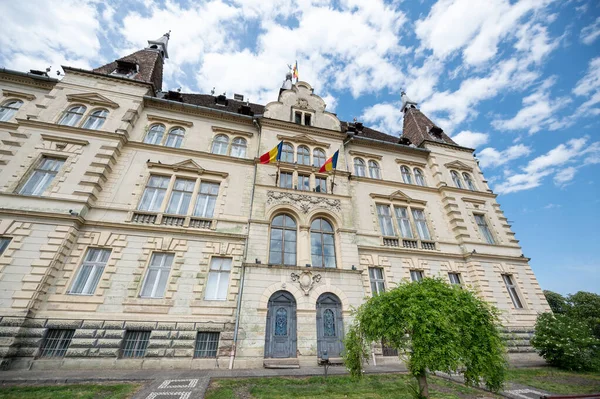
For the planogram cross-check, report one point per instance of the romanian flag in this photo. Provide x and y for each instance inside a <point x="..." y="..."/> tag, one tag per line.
<point x="330" y="164"/>
<point x="295" y="73"/>
<point x="272" y="155"/>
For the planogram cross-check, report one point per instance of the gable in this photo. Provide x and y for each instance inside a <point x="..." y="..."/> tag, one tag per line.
<point x="397" y="196"/>
<point x="186" y="166"/>
<point x="458" y="165"/>
<point x="304" y="139"/>
<point x="92" y="99"/>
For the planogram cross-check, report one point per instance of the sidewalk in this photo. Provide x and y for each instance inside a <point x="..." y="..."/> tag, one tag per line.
<point x="192" y="384"/>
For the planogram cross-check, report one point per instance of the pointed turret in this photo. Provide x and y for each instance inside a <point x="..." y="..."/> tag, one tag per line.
<point x="419" y="128"/>
<point x="145" y="65"/>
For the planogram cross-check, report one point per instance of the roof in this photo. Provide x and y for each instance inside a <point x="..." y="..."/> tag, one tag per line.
<point x="150" y="67"/>
<point x="372" y="133"/>
<point x="216" y="102"/>
<point x="418" y="128"/>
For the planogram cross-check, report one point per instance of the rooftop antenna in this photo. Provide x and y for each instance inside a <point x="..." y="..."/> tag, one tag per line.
<point x="212" y="92"/>
<point x="179" y="90"/>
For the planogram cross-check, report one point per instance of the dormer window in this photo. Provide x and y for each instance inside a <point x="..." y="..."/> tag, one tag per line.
<point x="222" y="100"/>
<point x="303" y="118"/>
<point x="307" y="118"/>
<point x="436" y="132"/>
<point x="125" y="69"/>
<point x="298" y="118"/>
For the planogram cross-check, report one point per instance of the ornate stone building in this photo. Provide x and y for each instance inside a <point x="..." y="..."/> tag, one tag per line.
<point x="138" y="229"/>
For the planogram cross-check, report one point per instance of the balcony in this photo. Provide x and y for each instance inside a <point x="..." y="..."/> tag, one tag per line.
<point x="154" y="218"/>
<point x="409" y="243"/>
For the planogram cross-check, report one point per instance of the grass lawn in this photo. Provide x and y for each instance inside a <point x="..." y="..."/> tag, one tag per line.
<point x="557" y="381"/>
<point x="84" y="391"/>
<point x="336" y="387"/>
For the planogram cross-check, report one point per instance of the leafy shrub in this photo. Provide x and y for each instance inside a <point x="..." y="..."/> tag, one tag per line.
<point x="557" y="302"/>
<point x="585" y="306"/>
<point x="566" y="343"/>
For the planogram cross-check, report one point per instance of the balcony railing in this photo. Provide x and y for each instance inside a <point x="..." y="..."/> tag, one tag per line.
<point x="154" y="218"/>
<point x="409" y="243"/>
<point x="391" y="242"/>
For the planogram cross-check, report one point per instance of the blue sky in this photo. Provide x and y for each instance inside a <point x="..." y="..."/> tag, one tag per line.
<point x="517" y="80"/>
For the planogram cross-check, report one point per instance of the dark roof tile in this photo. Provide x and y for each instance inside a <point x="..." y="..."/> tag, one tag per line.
<point x="149" y="62"/>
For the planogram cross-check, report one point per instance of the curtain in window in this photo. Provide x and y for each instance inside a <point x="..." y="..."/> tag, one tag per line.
<point x="469" y="181"/>
<point x="96" y="119"/>
<point x="9" y="109"/>
<point x="218" y="279"/>
<point x="73" y="115"/>
<point x="220" y="144"/>
<point x="406" y="176"/>
<point x="154" y="193"/>
<point x="238" y="147"/>
<point x="155" y="134"/>
<point x="175" y="137"/>
<point x="42" y="176"/>
<point x="374" y="171"/>
<point x="421" y="224"/>
<point x="359" y="167"/>
<point x="456" y="179"/>
<point x="157" y="275"/>
<point x="207" y="198"/>
<point x="181" y="196"/>
<point x="385" y="220"/>
<point x="403" y="222"/>
<point x="419" y="178"/>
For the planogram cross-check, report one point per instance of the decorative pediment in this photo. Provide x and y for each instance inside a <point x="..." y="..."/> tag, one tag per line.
<point x="170" y="121"/>
<point x="63" y="140"/>
<point x="458" y="165"/>
<point x="304" y="139"/>
<point x="92" y="99"/>
<point x="302" y="104"/>
<point x="232" y="132"/>
<point x="397" y="196"/>
<point x="364" y="154"/>
<point x="17" y="94"/>
<point x="186" y="166"/>
<point x="411" y="163"/>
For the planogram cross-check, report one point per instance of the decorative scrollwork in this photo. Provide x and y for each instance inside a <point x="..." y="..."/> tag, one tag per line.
<point x="306" y="280"/>
<point x="303" y="201"/>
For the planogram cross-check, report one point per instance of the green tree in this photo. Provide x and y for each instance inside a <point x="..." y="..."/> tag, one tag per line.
<point x="585" y="306"/>
<point x="438" y="327"/>
<point x="557" y="302"/>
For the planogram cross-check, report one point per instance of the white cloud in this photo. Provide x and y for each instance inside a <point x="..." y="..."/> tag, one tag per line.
<point x="590" y="33"/>
<point x="564" y="176"/>
<point x="471" y="139"/>
<point x="539" y="111"/>
<point x="385" y="117"/>
<point x="491" y="157"/>
<point x="589" y="86"/>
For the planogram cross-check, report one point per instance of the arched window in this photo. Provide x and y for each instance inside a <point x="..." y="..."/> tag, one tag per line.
<point x="287" y="153"/>
<point x="238" y="147"/>
<point x="303" y="155"/>
<point x="96" y="119"/>
<point x="282" y="248"/>
<point x="155" y="134"/>
<point x="72" y="116"/>
<point x="175" y="137"/>
<point x="220" y="144"/>
<point x="359" y="167"/>
<point x="406" y="175"/>
<point x="469" y="182"/>
<point x="456" y="179"/>
<point x="374" y="171"/>
<point x="419" y="178"/>
<point x="9" y="109"/>
<point x="322" y="246"/>
<point x="318" y="157"/>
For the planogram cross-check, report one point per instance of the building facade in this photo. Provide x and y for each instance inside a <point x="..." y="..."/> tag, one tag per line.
<point x="138" y="228"/>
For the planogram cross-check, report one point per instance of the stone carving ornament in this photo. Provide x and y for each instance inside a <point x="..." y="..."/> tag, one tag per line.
<point x="302" y="103"/>
<point x="303" y="201"/>
<point x="306" y="280"/>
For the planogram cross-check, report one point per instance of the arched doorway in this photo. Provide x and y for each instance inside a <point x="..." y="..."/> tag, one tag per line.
<point x="280" y="337"/>
<point x="330" y="325"/>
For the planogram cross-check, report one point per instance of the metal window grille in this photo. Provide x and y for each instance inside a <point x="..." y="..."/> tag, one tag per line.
<point x="388" y="350"/>
<point x="207" y="344"/>
<point x="135" y="343"/>
<point x="56" y="343"/>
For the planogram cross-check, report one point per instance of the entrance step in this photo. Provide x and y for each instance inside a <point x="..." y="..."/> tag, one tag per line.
<point x="281" y="364"/>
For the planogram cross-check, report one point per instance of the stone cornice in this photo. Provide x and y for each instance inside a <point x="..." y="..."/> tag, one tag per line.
<point x="400" y="161"/>
<point x="9" y="125"/>
<point x="302" y="268"/>
<point x="169" y="121"/>
<point x="294" y="127"/>
<point x="187" y="166"/>
<point x="93" y="99"/>
<point x="101" y="76"/>
<point x="372" y="143"/>
<point x="322" y="195"/>
<point x="303" y="139"/>
<point x="393" y="183"/>
<point x="17" y="94"/>
<point x="37" y="215"/>
<point x="233" y="132"/>
<point x="465" y="191"/>
<point x="161" y="229"/>
<point x="365" y="154"/>
<point x="447" y="145"/>
<point x="397" y="196"/>
<point x="458" y="165"/>
<point x="185" y="151"/>
<point x="473" y="200"/>
<point x="75" y="130"/>
<point x="442" y="255"/>
<point x="62" y="139"/>
<point x="25" y="79"/>
<point x="157" y="103"/>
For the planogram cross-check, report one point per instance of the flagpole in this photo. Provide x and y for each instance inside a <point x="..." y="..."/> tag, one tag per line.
<point x="277" y="174"/>
<point x="333" y="181"/>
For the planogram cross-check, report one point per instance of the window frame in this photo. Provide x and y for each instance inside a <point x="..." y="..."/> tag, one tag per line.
<point x="283" y="228"/>
<point x="469" y="183"/>
<point x="218" y="272"/>
<point x="513" y="290"/>
<point x="56" y="351"/>
<point x="420" y="275"/>
<point x="390" y="216"/>
<point x="377" y="282"/>
<point x="5" y="106"/>
<point x="179" y="135"/>
<point x="209" y="196"/>
<point x="208" y="349"/>
<point x="321" y="234"/>
<point x="408" y="219"/>
<point x="220" y="143"/>
<point x="301" y="179"/>
<point x="287" y="174"/>
<point x="4" y="244"/>
<point x="153" y="130"/>
<point x="304" y="157"/>
<point x="425" y="223"/>
<point x="184" y="192"/>
<point x="37" y="168"/>
<point x="287" y="151"/>
<point x="94" y="275"/>
<point x="236" y="145"/>
<point x="484" y="228"/>
<point x="359" y="164"/>
<point x="421" y="174"/>
<point x="161" y="268"/>
<point x="458" y="183"/>
<point x="321" y="181"/>
<point x="140" y="340"/>
<point x="166" y="191"/>
<point x="458" y="278"/>
<point x="316" y="158"/>
<point x="374" y="166"/>
<point x="91" y="115"/>
<point x="68" y="111"/>
<point x="406" y="174"/>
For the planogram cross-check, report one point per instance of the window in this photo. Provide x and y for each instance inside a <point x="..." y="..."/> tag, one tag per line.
<point x="42" y="176"/>
<point x="220" y="144"/>
<point x="286" y="180"/>
<point x="157" y="275"/>
<point x="321" y="184"/>
<point x="512" y="291"/>
<point x="454" y="278"/>
<point x="56" y="342"/>
<point x="90" y="271"/>
<point x="175" y="137"/>
<point x="304" y="182"/>
<point x="374" y="171"/>
<point x="287" y="153"/>
<point x="456" y="179"/>
<point x="416" y="275"/>
<point x="377" y="281"/>
<point x="318" y="157"/>
<point x="135" y="343"/>
<point x="207" y="198"/>
<point x="406" y="175"/>
<point x="403" y="222"/>
<point x="96" y="119"/>
<point x="181" y="196"/>
<point x="421" y="224"/>
<point x="238" y="147"/>
<point x="303" y="155"/>
<point x="207" y="344"/>
<point x="155" y="134"/>
<point x="282" y="249"/>
<point x="307" y="118"/>
<point x="154" y="193"/>
<point x="4" y="241"/>
<point x="298" y="118"/>
<point x="469" y="182"/>
<point x="484" y="229"/>
<point x="218" y="279"/>
<point x="419" y="178"/>
<point x="322" y="246"/>
<point x="359" y="167"/>
<point x="385" y="220"/>
<point x="72" y="116"/>
<point x="9" y="109"/>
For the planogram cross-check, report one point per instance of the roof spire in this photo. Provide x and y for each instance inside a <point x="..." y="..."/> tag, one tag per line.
<point x="287" y="83"/>
<point x="407" y="102"/>
<point x="161" y="44"/>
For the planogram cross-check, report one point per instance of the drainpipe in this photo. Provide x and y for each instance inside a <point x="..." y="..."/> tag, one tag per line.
<point x="256" y="123"/>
